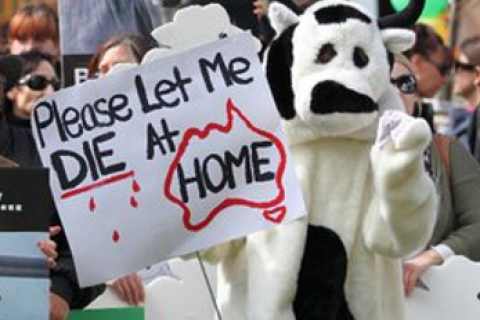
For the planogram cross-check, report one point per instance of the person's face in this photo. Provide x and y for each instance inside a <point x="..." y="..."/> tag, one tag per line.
<point x="399" y="75"/>
<point x="114" y="55"/>
<point x="47" y="45"/>
<point x="465" y="75"/>
<point x="432" y="72"/>
<point x="24" y="98"/>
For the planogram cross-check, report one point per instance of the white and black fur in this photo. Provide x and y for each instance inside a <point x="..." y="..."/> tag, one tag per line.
<point x="368" y="204"/>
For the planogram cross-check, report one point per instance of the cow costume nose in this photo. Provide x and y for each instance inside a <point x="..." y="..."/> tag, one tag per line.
<point x="330" y="97"/>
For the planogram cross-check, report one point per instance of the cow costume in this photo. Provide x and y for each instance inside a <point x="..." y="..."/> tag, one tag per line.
<point x="359" y="160"/>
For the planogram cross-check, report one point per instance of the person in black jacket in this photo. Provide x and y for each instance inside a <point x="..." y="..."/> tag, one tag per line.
<point x="17" y="143"/>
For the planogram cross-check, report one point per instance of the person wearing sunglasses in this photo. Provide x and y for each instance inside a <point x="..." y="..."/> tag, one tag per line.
<point x="466" y="82"/>
<point x="27" y="78"/>
<point x="466" y="86"/>
<point x="457" y="179"/>
<point x="37" y="79"/>
<point x="431" y="60"/>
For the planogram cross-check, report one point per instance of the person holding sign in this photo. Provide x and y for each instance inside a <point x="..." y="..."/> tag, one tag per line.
<point x="28" y="77"/>
<point x="126" y="49"/>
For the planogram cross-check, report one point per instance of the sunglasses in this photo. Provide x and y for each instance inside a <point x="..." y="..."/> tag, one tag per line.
<point x="406" y="83"/>
<point x="37" y="82"/>
<point x="443" y="69"/>
<point x="464" y="66"/>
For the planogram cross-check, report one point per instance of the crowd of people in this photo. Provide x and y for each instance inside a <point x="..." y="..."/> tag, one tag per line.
<point x="30" y="69"/>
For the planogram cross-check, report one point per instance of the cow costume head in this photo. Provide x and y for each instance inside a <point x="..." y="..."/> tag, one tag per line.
<point x="329" y="68"/>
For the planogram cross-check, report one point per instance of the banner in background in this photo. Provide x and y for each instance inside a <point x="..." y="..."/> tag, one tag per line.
<point x="87" y="24"/>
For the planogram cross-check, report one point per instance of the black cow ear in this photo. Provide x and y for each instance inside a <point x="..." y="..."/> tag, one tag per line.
<point x="278" y="70"/>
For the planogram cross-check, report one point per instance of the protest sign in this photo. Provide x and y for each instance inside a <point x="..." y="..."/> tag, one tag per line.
<point x="25" y="208"/>
<point x="166" y="158"/>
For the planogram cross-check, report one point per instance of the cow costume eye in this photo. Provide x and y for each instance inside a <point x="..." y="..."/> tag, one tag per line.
<point x="326" y="54"/>
<point x="360" y="58"/>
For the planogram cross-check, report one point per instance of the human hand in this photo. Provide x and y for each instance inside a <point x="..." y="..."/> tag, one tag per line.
<point x="130" y="289"/>
<point x="49" y="247"/>
<point x="260" y="8"/>
<point x="59" y="308"/>
<point x="414" y="268"/>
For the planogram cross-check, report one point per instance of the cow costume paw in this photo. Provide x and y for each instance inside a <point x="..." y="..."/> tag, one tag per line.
<point x="402" y="131"/>
<point x="402" y="186"/>
<point x="399" y="148"/>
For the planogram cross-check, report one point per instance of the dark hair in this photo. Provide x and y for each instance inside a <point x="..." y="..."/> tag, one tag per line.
<point x="38" y="21"/>
<point x="138" y="46"/>
<point x="30" y="61"/>
<point x="427" y="41"/>
<point x="471" y="48"/>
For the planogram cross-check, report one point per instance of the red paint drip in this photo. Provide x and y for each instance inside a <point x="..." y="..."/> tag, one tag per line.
<point x="115" y="236"/>
<point x="92" y="205"/>
<point x="135" y="186"/>
<point x="133" y="202"/>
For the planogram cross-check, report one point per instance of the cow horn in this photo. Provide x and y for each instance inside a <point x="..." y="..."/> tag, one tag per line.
<point x="404" y="19"/>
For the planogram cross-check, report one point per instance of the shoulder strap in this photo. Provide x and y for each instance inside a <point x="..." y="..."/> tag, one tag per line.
<point x="442" y="143"/>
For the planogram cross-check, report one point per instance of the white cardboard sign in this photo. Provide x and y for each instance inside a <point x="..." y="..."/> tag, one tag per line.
<point x="451" y="291"/>
<point x="166" y="158"/>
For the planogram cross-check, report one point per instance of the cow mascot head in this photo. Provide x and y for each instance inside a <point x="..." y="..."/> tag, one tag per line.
<point x="329" y="68"/>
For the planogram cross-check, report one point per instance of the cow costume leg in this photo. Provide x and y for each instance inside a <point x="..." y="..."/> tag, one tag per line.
<point x="320" y="293"/>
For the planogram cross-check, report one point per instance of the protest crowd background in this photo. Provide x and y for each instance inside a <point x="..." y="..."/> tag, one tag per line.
<point x="64" y="43"/>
